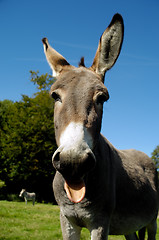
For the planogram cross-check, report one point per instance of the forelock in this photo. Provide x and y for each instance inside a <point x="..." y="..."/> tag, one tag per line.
<point x="81" y="63"/>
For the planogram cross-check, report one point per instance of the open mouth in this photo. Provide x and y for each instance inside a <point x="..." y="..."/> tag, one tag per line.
<point x="75" y="191"/>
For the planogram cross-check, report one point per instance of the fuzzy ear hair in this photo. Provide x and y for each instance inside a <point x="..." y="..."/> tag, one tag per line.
<point x="56" y="61"/>
<point x="109" y="46"/>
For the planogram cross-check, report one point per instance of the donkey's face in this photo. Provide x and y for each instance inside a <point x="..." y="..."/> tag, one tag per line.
<point x="79" y="95"/>
<point x="21" y="193"/>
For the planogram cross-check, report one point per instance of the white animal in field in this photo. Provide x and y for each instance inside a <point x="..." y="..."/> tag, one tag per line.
<point x="27" y="196"/>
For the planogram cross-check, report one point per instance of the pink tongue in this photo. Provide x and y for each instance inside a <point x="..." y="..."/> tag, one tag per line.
<point x="75" y="192"/>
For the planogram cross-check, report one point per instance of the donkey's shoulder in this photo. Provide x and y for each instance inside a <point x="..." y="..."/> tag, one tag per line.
<point x="135" y="157"/>
<point x="132" y="161"/>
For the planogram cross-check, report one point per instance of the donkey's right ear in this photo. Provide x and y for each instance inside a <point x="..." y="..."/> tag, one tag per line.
<point x="56" y="61"/>
<point x="109" y="46"/>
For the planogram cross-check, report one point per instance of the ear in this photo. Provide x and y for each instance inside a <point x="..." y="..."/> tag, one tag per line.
<point x="109" y="46"/>
<point x="56" y="61"/>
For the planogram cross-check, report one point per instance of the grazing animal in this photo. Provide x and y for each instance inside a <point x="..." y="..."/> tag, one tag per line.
<point x="98" y="187"/>
<point x="27" y="196"/>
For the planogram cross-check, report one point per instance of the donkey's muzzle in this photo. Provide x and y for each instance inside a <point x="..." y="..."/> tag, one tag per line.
<point x="73" y="165"/>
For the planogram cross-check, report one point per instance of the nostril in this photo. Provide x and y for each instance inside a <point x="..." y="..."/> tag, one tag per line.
<point x="56" y="159"/>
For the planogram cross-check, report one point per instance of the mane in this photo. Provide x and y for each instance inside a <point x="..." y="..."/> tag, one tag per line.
<point x="81" y="63"/>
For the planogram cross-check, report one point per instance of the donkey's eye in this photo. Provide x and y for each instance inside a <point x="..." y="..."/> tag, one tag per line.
<point x="56" y="97"/>
<point x="101" y="98"/>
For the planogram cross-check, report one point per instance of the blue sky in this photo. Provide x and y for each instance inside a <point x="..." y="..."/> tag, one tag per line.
<point x="131" y="116"/>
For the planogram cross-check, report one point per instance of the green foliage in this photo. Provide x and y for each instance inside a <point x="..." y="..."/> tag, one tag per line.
<point x="27" y="141"/>
<point x="155" y="156"/>
<point x="43" y="81"/>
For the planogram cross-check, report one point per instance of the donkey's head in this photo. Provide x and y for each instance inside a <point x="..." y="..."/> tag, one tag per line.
<point x="79" y="95"/>
<point x="22" y="193"/>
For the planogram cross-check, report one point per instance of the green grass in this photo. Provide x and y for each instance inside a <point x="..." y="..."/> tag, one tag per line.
<point x="21" y="222"/>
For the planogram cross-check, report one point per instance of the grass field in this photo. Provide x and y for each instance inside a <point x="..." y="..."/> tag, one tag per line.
<point x="21" y="222"/>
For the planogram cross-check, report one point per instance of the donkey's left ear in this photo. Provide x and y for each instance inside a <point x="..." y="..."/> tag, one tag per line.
<point x="109" y="46"/>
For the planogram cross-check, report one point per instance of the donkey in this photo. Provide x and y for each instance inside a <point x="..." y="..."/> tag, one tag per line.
<point x="98" y="187"/>
<point x="27" y="196"/>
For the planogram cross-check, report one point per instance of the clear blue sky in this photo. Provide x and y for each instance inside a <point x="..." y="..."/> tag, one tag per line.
<point x="131" y="117"/>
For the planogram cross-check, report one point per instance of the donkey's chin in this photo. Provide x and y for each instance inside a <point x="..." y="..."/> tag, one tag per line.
<point x="75" y="191"/>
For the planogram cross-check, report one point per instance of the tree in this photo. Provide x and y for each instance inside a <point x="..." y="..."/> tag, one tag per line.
<point x="43" y="81"/>
<point x="27" y="141"/>
<point x="155" y="156"/>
